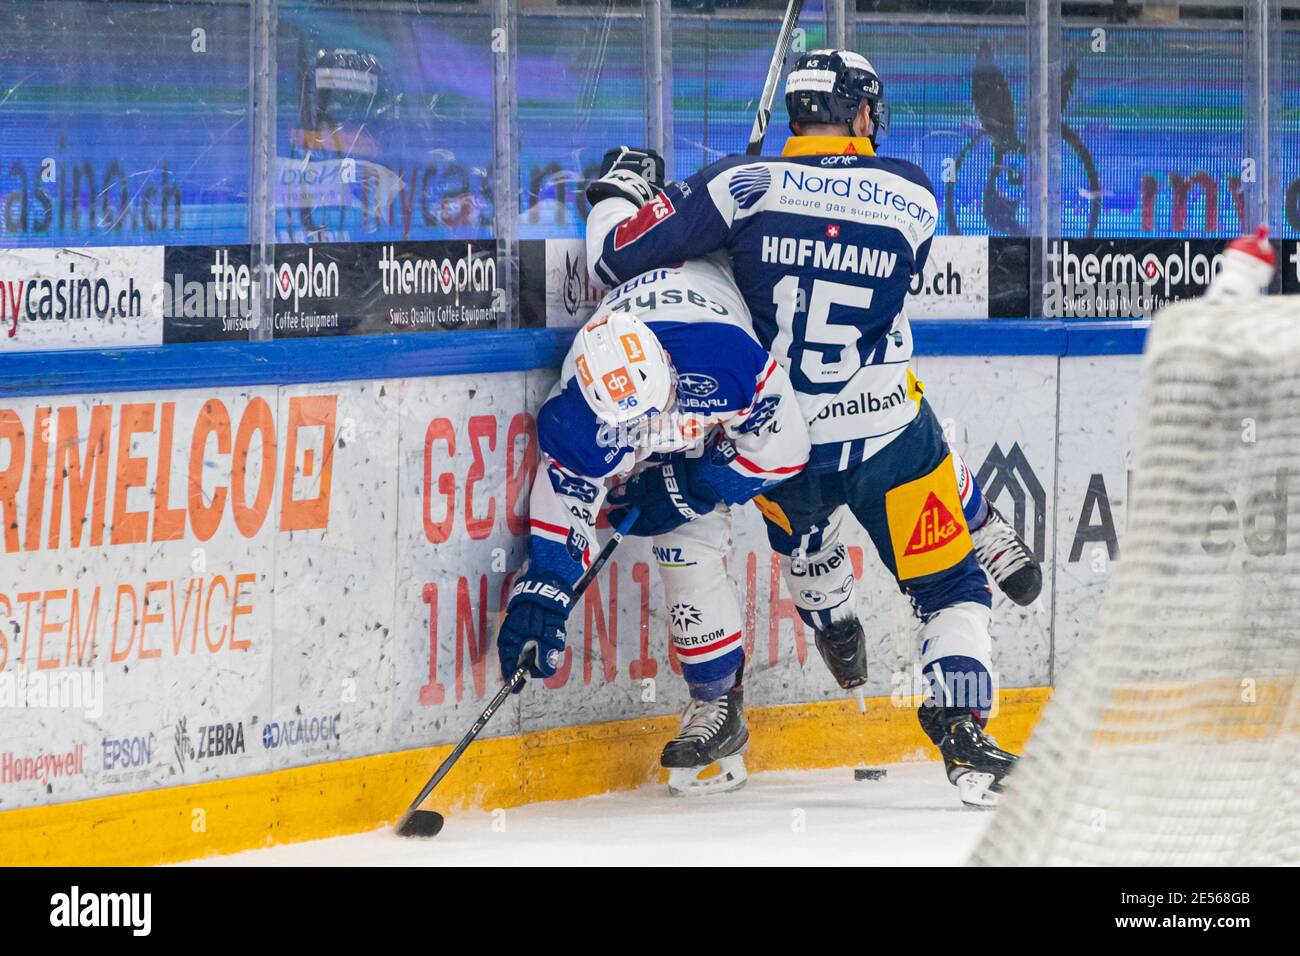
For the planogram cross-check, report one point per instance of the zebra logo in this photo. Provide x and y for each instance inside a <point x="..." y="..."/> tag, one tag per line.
<point x="748" y="184"/>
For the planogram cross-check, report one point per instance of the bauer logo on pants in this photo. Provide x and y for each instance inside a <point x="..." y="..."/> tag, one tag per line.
<point x="926" y="523"/>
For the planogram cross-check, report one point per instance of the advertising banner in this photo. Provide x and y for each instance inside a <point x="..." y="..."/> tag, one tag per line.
<point x="329" y="289"/>
<point x="213" y="582"/>
<point x="80" y="298"/>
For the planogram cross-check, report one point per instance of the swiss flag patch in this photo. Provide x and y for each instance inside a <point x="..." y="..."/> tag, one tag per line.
<point x="935" y="528"/>
<point x="649" y="216"/>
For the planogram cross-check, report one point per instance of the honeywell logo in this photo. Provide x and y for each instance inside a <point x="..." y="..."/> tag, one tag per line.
<point x="43" y="767"/>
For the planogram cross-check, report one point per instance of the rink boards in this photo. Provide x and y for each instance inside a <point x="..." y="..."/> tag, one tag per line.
<point x="283" y="594"/>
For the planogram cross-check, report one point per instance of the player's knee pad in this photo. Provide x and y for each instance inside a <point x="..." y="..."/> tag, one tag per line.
<point x="704" y="616"/>
<point x="973" y="505"/>
<point x="817" y="572"/>
<point x="956" y="657"/>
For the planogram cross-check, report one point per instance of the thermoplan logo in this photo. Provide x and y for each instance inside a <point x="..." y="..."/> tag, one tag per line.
<point x="307" y="279"/>
<point x="406" y="274"/>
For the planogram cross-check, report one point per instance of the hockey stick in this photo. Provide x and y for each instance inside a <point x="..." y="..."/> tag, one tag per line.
<point x="428" y="823"/>
<point x="764" y="114"/>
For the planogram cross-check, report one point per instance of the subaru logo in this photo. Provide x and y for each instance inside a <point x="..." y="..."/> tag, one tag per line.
<point x="697" y="385"/>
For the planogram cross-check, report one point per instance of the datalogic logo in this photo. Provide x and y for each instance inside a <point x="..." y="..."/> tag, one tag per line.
<point x="301" y="731"/>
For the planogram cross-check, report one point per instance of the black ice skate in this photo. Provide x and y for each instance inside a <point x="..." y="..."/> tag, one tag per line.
<point x="976" y="765"/>
<point x="713" y="731"/>
<point x="843" y="648"/>
<point x="1007" y="559"/>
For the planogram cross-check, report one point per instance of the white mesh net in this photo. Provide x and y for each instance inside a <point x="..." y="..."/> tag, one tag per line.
<point x="1174" y="737"/>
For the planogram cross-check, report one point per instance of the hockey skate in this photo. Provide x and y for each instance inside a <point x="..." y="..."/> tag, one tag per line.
<point x="1007" y="559"/>
<point x="713" y="732"/>
<point x="975" y="764"/>
<point x="843" y="648"/>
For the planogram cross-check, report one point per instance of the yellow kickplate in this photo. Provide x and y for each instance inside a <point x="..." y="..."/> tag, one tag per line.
<point x="350" y="796"/>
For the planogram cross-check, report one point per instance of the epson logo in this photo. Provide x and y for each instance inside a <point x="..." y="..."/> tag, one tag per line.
<point x="128" y="753"/>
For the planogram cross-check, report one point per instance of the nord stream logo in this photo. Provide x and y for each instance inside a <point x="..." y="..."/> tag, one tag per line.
<point x="748" y="184"/>
<point x="857" y="188"/>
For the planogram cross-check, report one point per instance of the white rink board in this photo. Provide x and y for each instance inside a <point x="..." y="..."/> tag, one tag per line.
<point x="376" y="527"/>
<point x="1000" y="415"/>
<point x="1099" y="403"/>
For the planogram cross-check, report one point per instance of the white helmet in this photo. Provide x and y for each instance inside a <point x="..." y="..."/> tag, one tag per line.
<point x="623" y="371"/>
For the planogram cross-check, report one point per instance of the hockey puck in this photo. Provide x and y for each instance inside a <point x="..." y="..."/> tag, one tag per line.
<point x="869" y="773"/>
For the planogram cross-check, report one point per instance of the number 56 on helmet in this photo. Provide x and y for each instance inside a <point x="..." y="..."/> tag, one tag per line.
<point x="622" y="369"/>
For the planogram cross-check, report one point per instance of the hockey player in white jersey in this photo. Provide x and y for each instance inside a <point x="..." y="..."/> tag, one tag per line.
<point x="667" y="365"/>
<point x="824" y="242"/>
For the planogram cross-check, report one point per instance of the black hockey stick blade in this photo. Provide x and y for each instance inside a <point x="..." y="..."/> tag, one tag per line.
<point x="428" y="823"/>
<point x="420" y="823"/>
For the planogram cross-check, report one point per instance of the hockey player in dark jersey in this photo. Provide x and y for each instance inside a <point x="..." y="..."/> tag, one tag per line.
<point x="824" y="242"/>
<point x="668" y="365"/>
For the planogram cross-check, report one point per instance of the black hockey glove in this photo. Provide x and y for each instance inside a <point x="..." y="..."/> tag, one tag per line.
<point x="535" y="618"/>
<point x="636" y="175"/>
<point x="664" y="496"/>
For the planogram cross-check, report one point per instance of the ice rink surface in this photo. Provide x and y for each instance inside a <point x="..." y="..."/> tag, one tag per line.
<point x="911" y="818"/>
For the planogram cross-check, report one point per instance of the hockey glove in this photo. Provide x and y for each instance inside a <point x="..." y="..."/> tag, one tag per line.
<point x="535" y="618"/>
<point x="636" y="175"/>
<point x="664" y="496"/>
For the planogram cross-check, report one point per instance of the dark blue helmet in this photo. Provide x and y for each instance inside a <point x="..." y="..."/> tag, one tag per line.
<point x="830" y="86"/>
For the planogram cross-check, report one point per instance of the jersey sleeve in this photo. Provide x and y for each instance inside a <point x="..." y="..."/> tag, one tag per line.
<point x="687" y="220"/>
<point x="762" y="445"/>
<point x="577" y="461"/>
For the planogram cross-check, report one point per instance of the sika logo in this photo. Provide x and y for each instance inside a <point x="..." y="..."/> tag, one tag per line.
<point x="935" y="528"/>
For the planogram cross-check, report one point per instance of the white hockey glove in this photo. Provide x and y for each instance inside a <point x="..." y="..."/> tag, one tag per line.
<point x="636" y="175"/>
